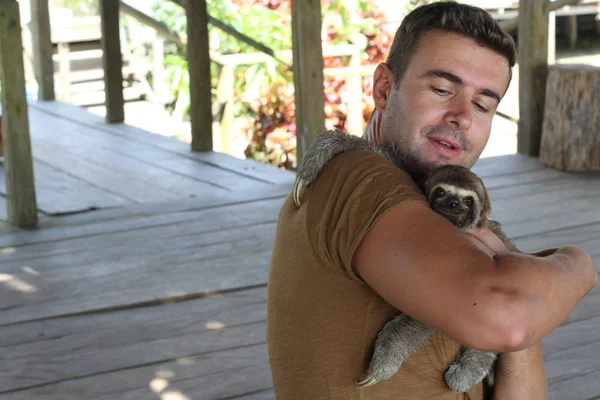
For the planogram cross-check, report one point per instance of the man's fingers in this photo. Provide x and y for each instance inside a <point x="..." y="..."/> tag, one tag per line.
<point x="489" y="239"/>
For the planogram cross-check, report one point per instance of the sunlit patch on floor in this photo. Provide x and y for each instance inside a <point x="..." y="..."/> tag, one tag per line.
<point x="7" y="250"/>
<point x="215" y="325"/>
<point x="185" y="361"/>
<point x="15" y="283"/>
<point x="30" y="270"/>
<point x="174" y="396"/>
<point x="157" y="385"/>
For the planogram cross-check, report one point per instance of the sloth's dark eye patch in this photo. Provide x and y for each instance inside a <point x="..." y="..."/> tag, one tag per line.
<point x="439" y="192"/>
<point x="469" y="201"/>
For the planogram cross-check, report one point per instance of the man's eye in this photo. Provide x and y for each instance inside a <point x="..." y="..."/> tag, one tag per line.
<point x="439" y="91"/>
<point x="481" y="107"/>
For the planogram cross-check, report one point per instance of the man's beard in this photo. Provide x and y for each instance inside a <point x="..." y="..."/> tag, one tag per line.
<point x="404" y="159"/>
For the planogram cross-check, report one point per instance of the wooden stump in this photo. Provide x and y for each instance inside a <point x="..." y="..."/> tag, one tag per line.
<point x="571" y="128"/>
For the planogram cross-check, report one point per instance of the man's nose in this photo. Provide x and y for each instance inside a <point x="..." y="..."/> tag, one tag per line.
<point x="459" y="114"/>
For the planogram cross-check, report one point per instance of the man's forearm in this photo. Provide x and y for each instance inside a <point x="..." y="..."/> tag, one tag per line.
<point x="546" y="291"/>
<point x="521" y="375"/>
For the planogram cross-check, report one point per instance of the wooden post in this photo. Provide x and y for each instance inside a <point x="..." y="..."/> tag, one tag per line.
<point x="354" y="119"/>
<point x="42" y="49"/>
<point x="112" y="61"/>
<point x="572" y="30"/>
<point x="533" y="66"/>
<point x="308" y="73"/>
<point x="64" y="70"/>
<point x="552" y="38"/>
<point x="571" y="138"/>
<point x="18" y="162"/>
<point x="199" y="69"/>
<point x="225" y="96"/>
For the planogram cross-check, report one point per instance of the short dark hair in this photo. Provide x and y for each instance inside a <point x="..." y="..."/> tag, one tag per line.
<point x="451" y="16"/>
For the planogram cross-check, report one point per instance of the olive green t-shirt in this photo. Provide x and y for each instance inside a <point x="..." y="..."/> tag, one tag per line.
<point x="322" y="319"/>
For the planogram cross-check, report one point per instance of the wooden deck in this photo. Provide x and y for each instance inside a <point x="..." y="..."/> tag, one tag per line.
<point x="160" y="292"/>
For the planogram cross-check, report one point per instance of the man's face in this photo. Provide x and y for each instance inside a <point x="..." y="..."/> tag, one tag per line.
<point x="442" y="111"/>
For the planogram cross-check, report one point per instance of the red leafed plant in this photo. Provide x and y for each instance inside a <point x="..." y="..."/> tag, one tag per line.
<point x="272" y="136"/>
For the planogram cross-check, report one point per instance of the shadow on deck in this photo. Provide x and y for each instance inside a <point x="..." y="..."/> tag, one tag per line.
<point x="161" y="293"/>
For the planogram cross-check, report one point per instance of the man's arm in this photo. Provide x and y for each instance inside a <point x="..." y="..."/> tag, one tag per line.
<point x="518" y="374"/>
<point x="521" y="375"/>
<point x="424" y="266"/>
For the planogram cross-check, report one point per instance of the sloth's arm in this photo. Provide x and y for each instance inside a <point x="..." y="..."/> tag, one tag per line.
<point x="423" y="265"/>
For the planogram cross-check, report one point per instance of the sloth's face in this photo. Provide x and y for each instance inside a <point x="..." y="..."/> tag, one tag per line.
<point x="460" y="206"/>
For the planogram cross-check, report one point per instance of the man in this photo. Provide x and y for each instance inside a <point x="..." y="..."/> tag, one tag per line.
<point x="365" y="244"/>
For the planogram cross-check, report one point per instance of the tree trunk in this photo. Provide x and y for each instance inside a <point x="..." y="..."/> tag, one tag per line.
<point x="571" y="129"/>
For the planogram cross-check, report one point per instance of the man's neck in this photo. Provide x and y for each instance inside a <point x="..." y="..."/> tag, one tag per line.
<point x="371" y="133"/>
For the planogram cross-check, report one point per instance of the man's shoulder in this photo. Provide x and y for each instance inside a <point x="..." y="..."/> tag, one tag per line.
<point x="354" y="172"/>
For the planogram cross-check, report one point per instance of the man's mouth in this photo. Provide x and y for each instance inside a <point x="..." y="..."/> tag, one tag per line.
<point x="451" y="144"/>
<point x="449" y="148"/>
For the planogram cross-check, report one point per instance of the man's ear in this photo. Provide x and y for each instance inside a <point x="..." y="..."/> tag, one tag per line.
<point x="383" y="81"/>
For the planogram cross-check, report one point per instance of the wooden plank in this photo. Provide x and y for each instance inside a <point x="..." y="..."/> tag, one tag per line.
<point x="533" y="64"/>
<point x="42" y="49"/>
<point x="127" y="186"/>
<point x="58" y="192"/>
<point x="53" y="350"/>
<point x="50" y="259"/>
<point x="535" y="204"/>
<point x="565" y="182"/>
<point x="520" y="178"/>
<point x="206" y="376"/>
<point x="135" y="283"/>
<point x="112" y="60"/>
<point x="308" y="73"/>
<point x="554" y="218"/>
<point x="569" y="353"/>
<point x="248" y="168"/>
<point x="66" y="283"/>
<point x="241" y="213"/>
<point x="164" y="168"/>
<point x="155" y="240"/>
<point x="577" y="236"/>
<point x="506" y="164"/>
<point x="18" y="164"/>
<point x="583" y="386"/>
<point x="199" y="70"/>
<point x="146" y="210"/>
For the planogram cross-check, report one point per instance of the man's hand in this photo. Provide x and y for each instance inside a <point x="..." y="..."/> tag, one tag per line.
<point x="491" y="242"/>
<point x="518" y="374"/>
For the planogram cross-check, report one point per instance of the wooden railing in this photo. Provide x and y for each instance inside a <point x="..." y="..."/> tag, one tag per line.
<point x="306" y="58"/>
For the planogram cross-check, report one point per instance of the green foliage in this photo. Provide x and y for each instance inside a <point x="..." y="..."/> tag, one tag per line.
<point x="79" y="7"/>
<point x="265" y="92"/>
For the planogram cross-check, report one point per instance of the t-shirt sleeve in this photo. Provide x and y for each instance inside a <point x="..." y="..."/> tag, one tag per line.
<point x="354" y="190"/>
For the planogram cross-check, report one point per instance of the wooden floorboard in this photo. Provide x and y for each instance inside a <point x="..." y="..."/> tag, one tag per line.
<point x="209" y="376"/>
<point x="247" y="168"/>
<point x="142" y="272"/>
<point x="211" y="217"/>
<point x="87" y="345"/>
<point x="134" y="159"/>
<point x="161" y="291"/>
<point x="59" y="192"/>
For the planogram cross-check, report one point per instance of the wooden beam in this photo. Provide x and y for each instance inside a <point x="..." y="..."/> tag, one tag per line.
<point x="112" y="61"/>
<point x="512" y="24"/>
<point x="308" y="73"/>
<point x="533" y="68"/>
<point x="18" y="162"/>
<point x="199" y="69"/>
<point x="158" y="26"/>
<point x="42" y="49"/>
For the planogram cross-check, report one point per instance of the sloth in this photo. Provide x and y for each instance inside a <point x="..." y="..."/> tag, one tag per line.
<point x="455" y="193"/>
